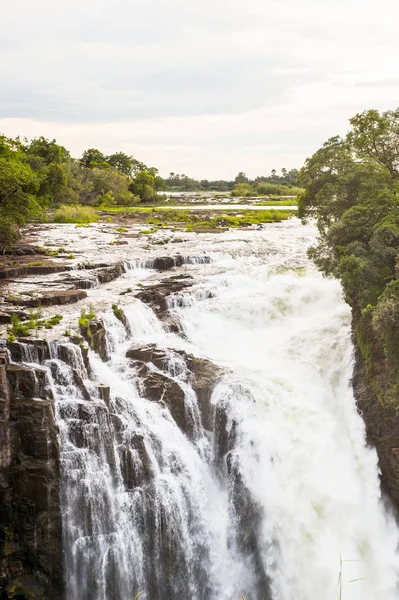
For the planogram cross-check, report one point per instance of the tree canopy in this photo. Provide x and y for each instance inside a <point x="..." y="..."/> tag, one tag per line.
<point x="351" y="188"/>
<point x="40" y="174"/>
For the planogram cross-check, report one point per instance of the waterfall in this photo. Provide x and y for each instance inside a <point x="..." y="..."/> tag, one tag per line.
<point x="266" y="488"/>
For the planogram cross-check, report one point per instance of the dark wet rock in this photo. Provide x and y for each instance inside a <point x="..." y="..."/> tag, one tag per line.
<point x="248" y="516"/>
<point x="52" y="298"/>
<point x="30" y="350"/>
<point x="148" y="353"/>
<point x="96" y="336"/>
<point x="382" y="429"/>
<point x="30" y="520"/>
<point x="136" y="467"/>
<point x="46" y="269"/>
<point x="104" y="393"/>
<point x="28" y="382"/>
<point x="202" y="373"/>
<point x="6" y="316"/>
<point x="156" y="297"/>
<point x="164" y="263"/>
<point x="107" y="274"/>
<point x="160" y="388"/>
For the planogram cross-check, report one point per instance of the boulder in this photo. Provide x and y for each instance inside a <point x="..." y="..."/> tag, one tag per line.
<point x="52" y="298"/>
<point x="161" y="388"/>
<point x="156" y="297"/>
<point x="202" y="373"/>
<point x="96" y="336"/>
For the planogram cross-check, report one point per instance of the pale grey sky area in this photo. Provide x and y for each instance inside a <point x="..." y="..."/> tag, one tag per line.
<point x="202" y="87"/>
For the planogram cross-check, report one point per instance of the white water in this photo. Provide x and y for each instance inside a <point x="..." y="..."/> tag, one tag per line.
<point x="299" y="488"/>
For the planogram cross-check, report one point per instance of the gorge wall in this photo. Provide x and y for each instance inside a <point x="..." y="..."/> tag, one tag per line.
<point x="30" y="516"/>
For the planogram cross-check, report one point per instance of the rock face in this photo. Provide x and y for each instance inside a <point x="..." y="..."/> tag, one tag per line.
<point x="156" y="297"/>
<point x="165" y="263"/>
<point x="202" y="374"/>
<point x="52" y="298"/>
<point x="96" y="337"/>
<point x="31" y="560"/>
<point x="382" y="429"/>
<point x="30" y="520"/>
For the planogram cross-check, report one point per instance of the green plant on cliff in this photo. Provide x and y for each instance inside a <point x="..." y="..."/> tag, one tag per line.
<point x="351" y="189"/>
<point x="118" y="312"/>
<point x="24" y="329"/>
<point x="86" y="317"/>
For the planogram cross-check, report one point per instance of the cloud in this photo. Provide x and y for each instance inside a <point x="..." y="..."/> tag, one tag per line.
<point x="214" y="87"/>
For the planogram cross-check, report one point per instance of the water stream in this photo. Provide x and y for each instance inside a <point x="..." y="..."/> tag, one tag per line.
<point x="277" y="497"/>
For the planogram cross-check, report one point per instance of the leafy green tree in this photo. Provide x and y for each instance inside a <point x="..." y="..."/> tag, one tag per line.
<point x="241" y="178"/>
<point x="351" y="189"/>
<point x="94" y="159"/>
<point x="143" y="186"/>
<point x="18" y="187"/>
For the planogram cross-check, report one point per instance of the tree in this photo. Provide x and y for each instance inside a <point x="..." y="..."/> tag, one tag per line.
<point x="143" y="186"/>
<point x="351" y="188"/>
<point x="93" y="158"/>
<point x="241" y="178"/>
<point x="18" y="187"/>
<point x="48" y="150"/>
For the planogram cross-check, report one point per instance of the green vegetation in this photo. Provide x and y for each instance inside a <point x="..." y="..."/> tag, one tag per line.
<point x="40" y="174"/>
<point x="176" y="182"/>
<point x="281" y="201"/>
<point x="75" y="214"/>
<point x="86" y="317"/>
<point x="249" y="190"/>
<point x="19" y="186"/>
<point x="119" y="313"/>
<point x="351" y="188"/>
<point x="18" y="329"/>
<point x="206" y="219"/>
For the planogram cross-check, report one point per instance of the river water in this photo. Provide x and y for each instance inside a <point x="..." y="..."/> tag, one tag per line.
<point x="291" y="507"/>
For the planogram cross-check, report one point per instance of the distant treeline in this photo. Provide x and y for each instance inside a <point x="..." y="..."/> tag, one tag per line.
<point x="176" y="182"/>
<point x="39" y="174"/>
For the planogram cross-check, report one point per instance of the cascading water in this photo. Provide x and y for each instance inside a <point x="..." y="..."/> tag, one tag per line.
<point x="268" y="496"/>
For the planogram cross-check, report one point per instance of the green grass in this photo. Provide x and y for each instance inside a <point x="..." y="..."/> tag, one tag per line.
<point x="24" y="329"/>
<point x="75" y="213"/>
<point x="277" y="201"/>
<point x="195" y="220"/>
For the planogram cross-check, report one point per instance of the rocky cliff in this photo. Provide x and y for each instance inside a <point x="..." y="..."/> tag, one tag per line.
<point x="382" y="428"/>
<point x="30" y="519"/>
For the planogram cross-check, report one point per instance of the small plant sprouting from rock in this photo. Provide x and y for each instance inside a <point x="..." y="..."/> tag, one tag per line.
<point x="19" y="329"/>
<point x="86" y="317"/>
<point x="118" y="312"/>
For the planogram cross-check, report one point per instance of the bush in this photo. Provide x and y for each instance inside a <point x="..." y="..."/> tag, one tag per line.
<point x="75" y="214"/>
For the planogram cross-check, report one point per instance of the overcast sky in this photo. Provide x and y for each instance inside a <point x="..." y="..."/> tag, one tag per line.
<point x="202" y="87"/>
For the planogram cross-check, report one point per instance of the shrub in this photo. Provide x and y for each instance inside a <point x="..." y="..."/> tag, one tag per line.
<point x="75" y="214"/>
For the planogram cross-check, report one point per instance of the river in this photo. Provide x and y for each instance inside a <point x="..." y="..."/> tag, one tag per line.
<point x="287" y="504"/>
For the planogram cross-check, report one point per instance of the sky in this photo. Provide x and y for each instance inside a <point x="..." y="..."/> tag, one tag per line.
<point x="207" y="88"/>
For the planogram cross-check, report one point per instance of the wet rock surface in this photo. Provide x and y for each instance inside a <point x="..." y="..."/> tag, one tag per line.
<point x="202" y="375"/>
<point x="30" y="519"/>
<point x="95" y="335"/>
<point x="382" y="430"/>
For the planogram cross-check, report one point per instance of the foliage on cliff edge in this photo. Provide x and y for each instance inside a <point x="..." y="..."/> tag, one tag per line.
<point x="351" y="188"/>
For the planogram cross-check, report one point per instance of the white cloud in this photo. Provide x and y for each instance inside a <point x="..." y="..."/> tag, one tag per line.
<point x="208" y="88"/>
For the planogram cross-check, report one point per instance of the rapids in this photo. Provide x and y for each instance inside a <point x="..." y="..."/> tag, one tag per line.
<point x="290" y="508"/>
